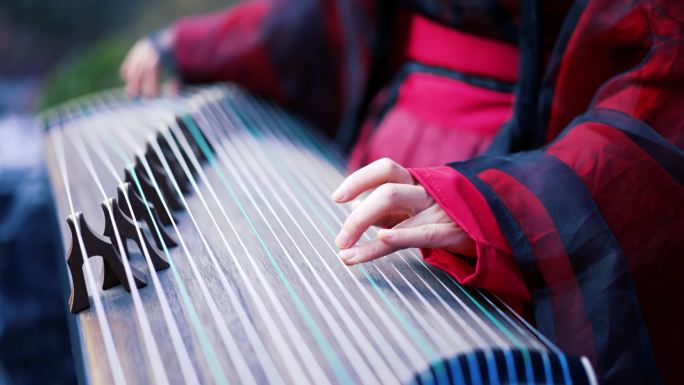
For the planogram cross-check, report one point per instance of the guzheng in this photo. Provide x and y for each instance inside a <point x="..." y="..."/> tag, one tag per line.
<point x="198" y="235"/>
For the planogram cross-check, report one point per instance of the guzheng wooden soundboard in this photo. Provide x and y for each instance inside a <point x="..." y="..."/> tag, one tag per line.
<point x="198" y="235"/>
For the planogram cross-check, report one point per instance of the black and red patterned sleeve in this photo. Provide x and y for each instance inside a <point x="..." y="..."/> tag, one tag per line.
<point x="312" y="56"/>
<point x="590" y="226"/>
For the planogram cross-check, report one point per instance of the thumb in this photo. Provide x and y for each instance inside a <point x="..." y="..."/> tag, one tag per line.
<point x="432" y="236"/>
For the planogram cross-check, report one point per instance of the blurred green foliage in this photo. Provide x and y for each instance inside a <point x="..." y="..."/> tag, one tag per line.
<point x="85" y="72"/>
<point x="95" y="65"/>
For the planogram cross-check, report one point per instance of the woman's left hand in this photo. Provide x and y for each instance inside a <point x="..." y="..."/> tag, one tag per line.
<point x="409" y="215"/>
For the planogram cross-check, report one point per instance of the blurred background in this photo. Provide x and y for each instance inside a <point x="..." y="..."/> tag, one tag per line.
<point x="55" y="50"/>
<point x="51" y="51"/>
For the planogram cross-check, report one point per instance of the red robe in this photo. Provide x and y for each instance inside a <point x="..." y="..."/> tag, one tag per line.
<point x="576" y="114"/>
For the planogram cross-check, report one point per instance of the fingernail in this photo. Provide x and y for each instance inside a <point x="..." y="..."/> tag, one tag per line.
<point x="343" y="239"/>
<point x="385" y="235"/>
<point x="339" y="194"/>
<point x="347" y="254"/>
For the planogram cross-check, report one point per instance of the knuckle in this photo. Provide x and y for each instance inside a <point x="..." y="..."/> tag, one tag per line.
<point x="389" y="193"/>
<point x="388" y="165"/>
<point x="428" y="235"/>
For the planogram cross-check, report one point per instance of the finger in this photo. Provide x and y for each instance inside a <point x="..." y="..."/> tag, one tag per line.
<point x="437" y="235"/>
<point x="366" y="252"/>
<point x="171" y="87"/>
<point x="389" y="220"/>
<point x="150" y="79"/>
<point x="140" y="61"/>
<point x="387" y="199"/>
<point x="130" y="66"/>
<point x="134" y="77"/>
<point x="123" y="70"/>
<point x="432" y="214"/>
<point x="386" y="221"/>
<point x="375" y="174"/>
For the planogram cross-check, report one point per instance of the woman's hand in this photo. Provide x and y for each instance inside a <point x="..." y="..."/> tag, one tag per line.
<point x="410" y="216"/>
<point x="141" y="67"/>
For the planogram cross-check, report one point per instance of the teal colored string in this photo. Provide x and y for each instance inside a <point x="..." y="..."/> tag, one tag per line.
<point x="340" y="372"/>
<point x="306" y="138"/>
<point x="424" y="346"/>
<point x="214" y="365"/>
<point x="518" y="344"/>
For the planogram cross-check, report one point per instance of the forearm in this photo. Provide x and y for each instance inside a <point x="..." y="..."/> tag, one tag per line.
<point x="303" y="55"/>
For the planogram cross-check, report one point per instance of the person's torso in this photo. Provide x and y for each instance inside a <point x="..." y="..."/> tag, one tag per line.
<point x="454" y="87"/>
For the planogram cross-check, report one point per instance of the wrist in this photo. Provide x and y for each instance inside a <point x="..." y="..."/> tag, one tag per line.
<point x="162" y="41"/>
